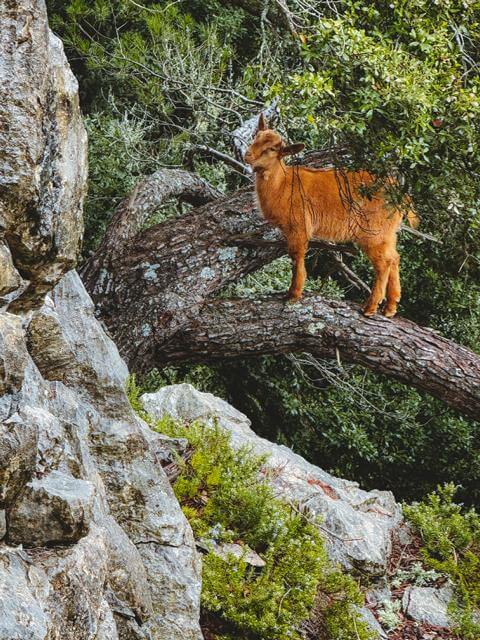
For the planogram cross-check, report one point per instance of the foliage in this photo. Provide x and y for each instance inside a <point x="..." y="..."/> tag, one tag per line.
<point x="389" y="614"/>
<point x="395" y="84"/>
<point x="346" y="420"/>
<point x="113" y="175"/>
<point x="416" y="575"/>
<point x="451" y="546"/>
<point x="392" y="84"/>
<point x="275" y="278"/>
<point x="226" y="497"/>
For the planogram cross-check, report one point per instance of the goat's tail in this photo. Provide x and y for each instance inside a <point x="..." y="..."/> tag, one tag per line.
<point x="412" y="218"/>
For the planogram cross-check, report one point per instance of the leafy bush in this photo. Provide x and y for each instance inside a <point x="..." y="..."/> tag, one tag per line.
<point x="226" y="497"/>
<point x="451" y="546"/>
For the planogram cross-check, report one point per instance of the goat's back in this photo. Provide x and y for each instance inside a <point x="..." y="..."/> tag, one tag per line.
<point x="340" y="206"/>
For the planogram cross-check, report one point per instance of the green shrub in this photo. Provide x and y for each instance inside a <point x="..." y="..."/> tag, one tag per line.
<point x="226" y="497"/>
<point x="451" y="546"/>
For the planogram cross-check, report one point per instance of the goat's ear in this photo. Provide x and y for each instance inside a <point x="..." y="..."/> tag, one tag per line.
<point x="262" y="123"/>
<point x="291" y="149"/>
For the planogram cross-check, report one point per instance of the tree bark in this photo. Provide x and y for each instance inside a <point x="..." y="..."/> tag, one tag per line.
<point x="148" y="288"/>
<point x="399" y="348"/>
<point x="154" y="290"/>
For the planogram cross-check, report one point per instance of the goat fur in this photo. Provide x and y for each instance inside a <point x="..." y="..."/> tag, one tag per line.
<point x="329" y="205"/>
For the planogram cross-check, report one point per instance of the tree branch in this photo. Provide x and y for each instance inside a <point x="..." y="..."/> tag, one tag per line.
<point x="147" y="196"/>
<point x="244" y="134"/>
<point x="153" y="289"/>
<point x="398" y="348"/>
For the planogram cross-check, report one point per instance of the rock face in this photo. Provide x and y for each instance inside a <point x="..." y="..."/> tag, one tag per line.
<point x="43" y="157"/>
<point x="89" y="512"/>
<point x="359" y="523"/>
<point x="93" y="544"/>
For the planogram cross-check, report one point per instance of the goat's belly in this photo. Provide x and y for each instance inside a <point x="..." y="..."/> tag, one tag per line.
<point x="330" y="235"/>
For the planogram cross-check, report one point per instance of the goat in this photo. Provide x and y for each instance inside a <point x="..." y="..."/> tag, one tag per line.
<point x="308" y="203"/>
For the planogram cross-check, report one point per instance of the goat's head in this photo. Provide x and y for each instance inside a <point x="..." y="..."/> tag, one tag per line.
<point x="267" y="148"/>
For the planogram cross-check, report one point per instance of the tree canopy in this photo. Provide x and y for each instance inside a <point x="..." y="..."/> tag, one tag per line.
<point x="389" y="87"/>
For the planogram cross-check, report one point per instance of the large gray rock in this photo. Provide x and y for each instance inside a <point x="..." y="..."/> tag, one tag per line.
<point x="54" y="509"/>
<point x="80" y="468"/>
<point x="106" y="552"/>
<point x="428" y="604"/>
<point x="359" y="523"/>
<point x="43" y="164"/>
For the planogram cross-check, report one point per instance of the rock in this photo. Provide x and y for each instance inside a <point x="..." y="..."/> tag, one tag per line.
<point x="238" y="551"/>
<point x="13" y="354"/>
<point x="17" y="455"/>
<point x="9" y="277"/>
<point x="108" y="552"/>
<point x="428" y="604"/>
<point x="81" y="469"/>
<point x="23" y="589"/>
<point x="360" y="522"/>
<point x="43" y="142"/>
<point x="97" y="367"/>
<point x="77" y="577"/>
<point x="3" y="524"/>
<point x="174" y="578"/>
<point x="126" y="572"/>
<point x="372" y="622"/>
<point x="55" y="509"/>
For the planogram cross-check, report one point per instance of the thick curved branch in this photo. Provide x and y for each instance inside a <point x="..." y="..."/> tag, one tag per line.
<point x="398" y="348"/>
<point x="162" y="276"/>
<point x="147" y="196"/>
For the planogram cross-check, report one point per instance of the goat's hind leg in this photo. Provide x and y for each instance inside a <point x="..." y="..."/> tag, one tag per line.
<point x="393" y="288"/>
<point x="382" y="261"/>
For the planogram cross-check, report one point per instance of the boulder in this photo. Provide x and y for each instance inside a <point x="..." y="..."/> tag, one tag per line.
<point x="358" y="523"/>
<point x="428" y="604"/>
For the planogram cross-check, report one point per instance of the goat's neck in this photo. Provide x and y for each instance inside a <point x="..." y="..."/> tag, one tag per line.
<point x="269" y="184"/>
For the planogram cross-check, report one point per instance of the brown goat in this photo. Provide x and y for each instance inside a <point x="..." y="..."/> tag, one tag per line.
<point x="308" y="203"/>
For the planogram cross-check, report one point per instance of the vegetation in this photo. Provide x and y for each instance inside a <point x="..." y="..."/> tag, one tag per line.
<point x="393" y="87"/>
<point x="225" y="494"/>
<point x="451" y="546"/>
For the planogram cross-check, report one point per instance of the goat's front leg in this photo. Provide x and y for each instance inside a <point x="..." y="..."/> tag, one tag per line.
<point x="297" y="250"/>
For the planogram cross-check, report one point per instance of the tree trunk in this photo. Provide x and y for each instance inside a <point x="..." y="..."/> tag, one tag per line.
<point x="154" y="290"/>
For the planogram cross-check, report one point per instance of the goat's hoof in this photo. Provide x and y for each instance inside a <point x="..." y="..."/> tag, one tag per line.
<point x="369" y="311"/>
<point x="390" y="313"/>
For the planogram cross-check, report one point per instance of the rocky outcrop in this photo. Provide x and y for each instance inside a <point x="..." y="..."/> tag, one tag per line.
<point x="89" y="512"/>
<point x="93" y="544"/>
<point x="364" y="530"/>
<point x="43" y="157"/>
<point x="358" y="523"/>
